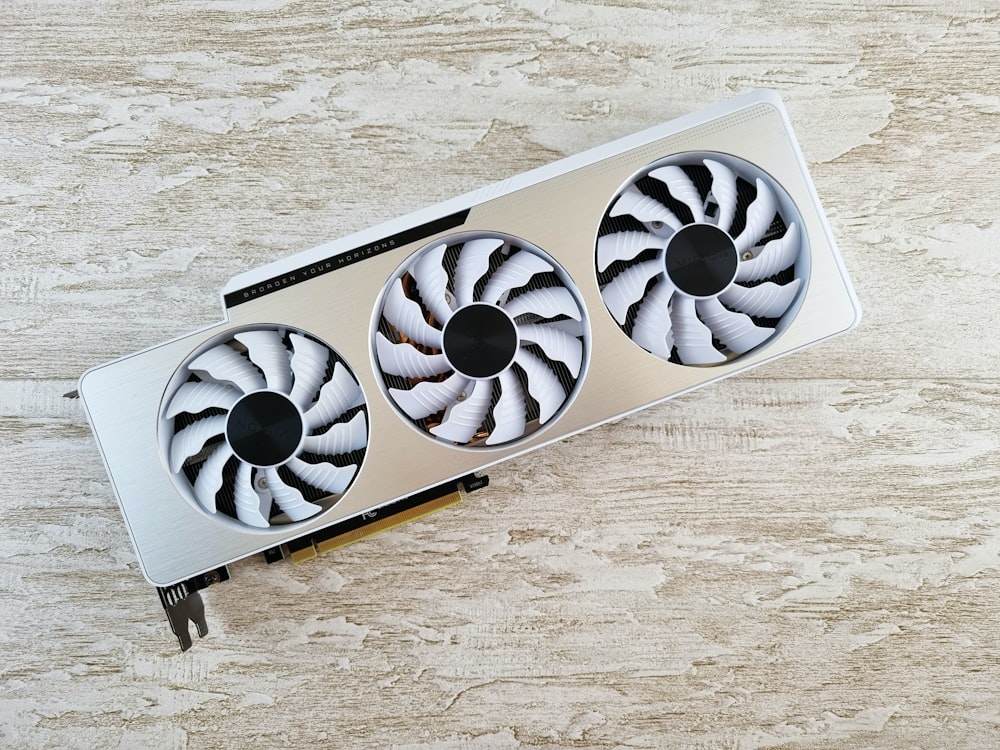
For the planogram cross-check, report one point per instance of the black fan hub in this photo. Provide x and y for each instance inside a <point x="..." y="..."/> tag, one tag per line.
<point x="264" y="428"/>
<point x="480" y="340"/>
<point x="701" y="260"/>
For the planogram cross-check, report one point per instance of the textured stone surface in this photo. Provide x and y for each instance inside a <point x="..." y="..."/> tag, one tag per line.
<point x="808" y="557"/>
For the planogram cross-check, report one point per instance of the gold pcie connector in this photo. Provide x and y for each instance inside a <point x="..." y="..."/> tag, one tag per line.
<point x="376" y="521"/>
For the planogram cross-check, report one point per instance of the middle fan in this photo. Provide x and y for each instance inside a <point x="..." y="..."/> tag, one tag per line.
<point x="481" y="339"/>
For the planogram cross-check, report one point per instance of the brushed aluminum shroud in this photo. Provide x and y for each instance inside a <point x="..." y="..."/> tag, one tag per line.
<point x="557" y="208"/>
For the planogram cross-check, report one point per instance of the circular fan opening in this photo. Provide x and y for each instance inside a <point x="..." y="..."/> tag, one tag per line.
<point x="701" y="258"/>
<point x="263" y="427"/>
<point x="481" y="340"/>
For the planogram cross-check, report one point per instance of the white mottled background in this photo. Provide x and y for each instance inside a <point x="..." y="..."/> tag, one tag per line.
<point x="805" y="558"/>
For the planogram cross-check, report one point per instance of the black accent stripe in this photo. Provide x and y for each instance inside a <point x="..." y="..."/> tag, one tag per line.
<point x="346" y="258"/>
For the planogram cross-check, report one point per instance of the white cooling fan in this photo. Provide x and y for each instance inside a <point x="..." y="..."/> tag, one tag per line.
<point x="700" y="258"/>
<point x="252" y="425"/>
<point x="478" y="329"/>
<point x="481" y="339"/>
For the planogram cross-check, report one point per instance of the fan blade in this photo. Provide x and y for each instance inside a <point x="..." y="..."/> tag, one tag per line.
<point x="628" y="287"/>
<point x="463" y="418"/>
<point x="406" y="360"/>
<point x="735" y="330"/>
<point x="572" y="328"/>
<point x="253" y="507"/>
<point x="545" y="303"/>
<point x="343" y="437"/>
<point x="681" y="188"/>
<point x="775" y="256"/>
<point x="289" y="499"/>
<point x="194" y="398"/>
<point x="192" y="438"/>
<point x="432" y="282"/>
<point x="210" y="477"/>
<point x="760" y="214"/>
<point x="767" y="300"/>
<point x="625" y="246"/>
<point x="224" y="364"/>
<point x="555" y="344"/>
<point x="267" y="351"/>
<point x="543" y="385"/>
<point x="652" y="329"/>
<point x="724" y="192"/>
<point x="513" y="273"/>
<point x="309" y="363"/>
<point x="691" y="336"/>
<point x="324" y="476"/>
<point x="509" y="410"/>
<point x="633" y="202"/>
<point x="429" y="397"/>
<point x="407" y="317"/>
<point x="337" y="395"/>
<point x="473" y="263"/>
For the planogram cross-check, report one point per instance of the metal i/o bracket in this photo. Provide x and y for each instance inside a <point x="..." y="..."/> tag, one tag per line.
<point x="183" y="604"/>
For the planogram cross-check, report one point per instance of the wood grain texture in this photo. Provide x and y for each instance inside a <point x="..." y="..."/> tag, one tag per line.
<point x="805" y="558"/>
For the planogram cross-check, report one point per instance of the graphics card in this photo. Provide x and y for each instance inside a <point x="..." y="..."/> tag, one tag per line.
<point x="364" y="378"/>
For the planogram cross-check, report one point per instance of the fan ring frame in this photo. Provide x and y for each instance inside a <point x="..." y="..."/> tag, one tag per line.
<point x="786" y="208"/>
<point x="165" y="433"/>
<point x="565" y="280"/>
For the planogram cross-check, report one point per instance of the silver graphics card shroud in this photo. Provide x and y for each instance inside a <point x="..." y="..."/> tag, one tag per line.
<point x="398" y="359"/>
